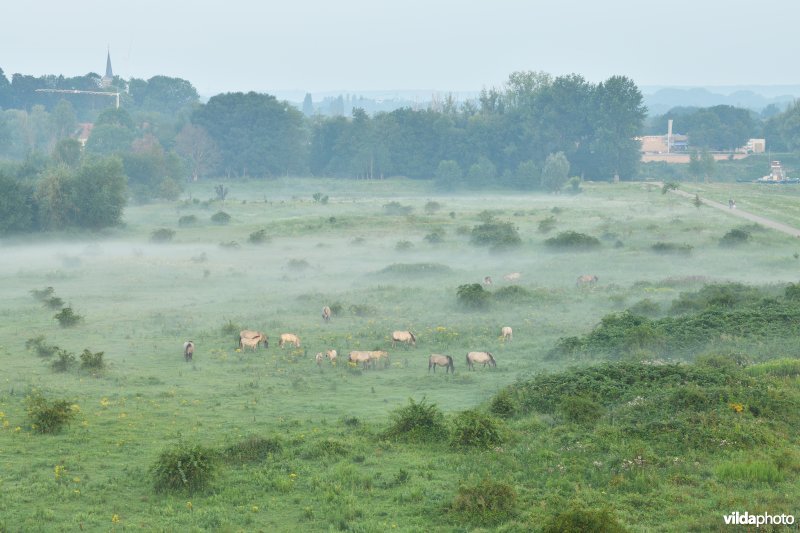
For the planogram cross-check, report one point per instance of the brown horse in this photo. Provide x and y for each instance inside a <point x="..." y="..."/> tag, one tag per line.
<point x="480" y="357"/>
<point x="357" y="356"/>
<point x="326" y="313"/>
<point x="441" y="360"/>
<point x="248" y="342"/>
<point x="507" y="333"/>
<point x="330" y="354"/>
<point x="188" y="350"/>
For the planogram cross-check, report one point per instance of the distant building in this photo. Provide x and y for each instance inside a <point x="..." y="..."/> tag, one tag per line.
<point x="754" y="146"/>
<point x="106" y="80"/>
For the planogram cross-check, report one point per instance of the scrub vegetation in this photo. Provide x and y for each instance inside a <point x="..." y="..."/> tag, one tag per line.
<point x="659" y="398"/>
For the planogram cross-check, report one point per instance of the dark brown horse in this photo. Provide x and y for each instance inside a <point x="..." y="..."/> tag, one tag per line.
<point x="188" y="350"/>
<point x="441" y="360"/>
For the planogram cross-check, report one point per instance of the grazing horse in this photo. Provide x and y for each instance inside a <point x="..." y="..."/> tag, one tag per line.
<point x="480" y="357"/>
<point x="507" y="333"/>
<point x="513" y="277"/>
<point x="357" y="356"/>
<point x="379" y="355"/>
<point x="188" y="350"/>
<point x="330" y="354"/>
<point x="441" y="360"/>
<point x="250" y="334"/>
<point x="326" y="313"/>
<point x="587" y="280"/>
<point x="403" y="336"/>
<point x="487" y="280"/>
<point x="250" y="342"/>
<point x="289" y="338"/>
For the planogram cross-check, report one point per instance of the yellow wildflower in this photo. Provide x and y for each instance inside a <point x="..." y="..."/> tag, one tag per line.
<point x="189" y="505"/>
<point x="115" y="518"/>
<point x="255" y="508"/>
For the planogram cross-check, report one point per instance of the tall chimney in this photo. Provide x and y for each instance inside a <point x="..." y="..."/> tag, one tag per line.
<point x="669" y="136"/>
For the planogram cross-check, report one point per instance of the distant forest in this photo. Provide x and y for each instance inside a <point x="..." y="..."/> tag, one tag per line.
<point x="535" y="132"/>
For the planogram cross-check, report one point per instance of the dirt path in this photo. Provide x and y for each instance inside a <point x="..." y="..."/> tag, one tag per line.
<point x="766" y="222"/>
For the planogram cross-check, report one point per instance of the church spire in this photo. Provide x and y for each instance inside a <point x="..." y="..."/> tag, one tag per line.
<point x="109" y="77"/>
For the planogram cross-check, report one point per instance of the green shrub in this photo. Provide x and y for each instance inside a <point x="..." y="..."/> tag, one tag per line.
<point x="67" y="317"/>
<point x="432" y="207"/>
<point x="473" y="296"/>
<point x="162" y="235"/>
<point x="259" y="237"/>
<point x="297" y="265"/>
<point x="42" y="294"/>
<point x="646" y="307"/>
<point x="475" y="429"/>
<point x="403" y="246"/>
<point x="92" y="361"/>
<point x="573" y="240"/>
<point x="54" y="302"/>
<point x="486" y="503"/>
<point x="577" y="519"/>
<point x="581" y="410"/>
<point x="253" y="449"/>
<point x="414" y="270"/>
<point x="735" y="237"/>
<point x="64" y="361"/>
<point x="416" y="422"/>
<point x="38" y="345"/>
<point x="435" y="237"/>
<point x="320" y="198"/>
<point x="221" y="218"/>
<point x="396" y="208"/>
<point x="362" y="310"/>
<point x="336" y="308"/>
<point x="184" y="467"/>
<point x="669" y="186"/>
<point x="504" y="404"/>
<point x="513" y="293"/>
<point x="230" y="245"/>
<point x="48" y="416"/>
<point x="788" y="368"/>
<point x="671" y="248"/>
<point x="547" y="224"/>
<point x="496" y="235"/>
<point x="187" y="220"/>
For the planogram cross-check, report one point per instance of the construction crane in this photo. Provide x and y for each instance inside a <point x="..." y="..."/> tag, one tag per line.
<point x="76" y="91"/>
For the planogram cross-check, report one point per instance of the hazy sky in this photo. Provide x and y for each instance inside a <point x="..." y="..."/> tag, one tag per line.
<point x="443" y="45"/>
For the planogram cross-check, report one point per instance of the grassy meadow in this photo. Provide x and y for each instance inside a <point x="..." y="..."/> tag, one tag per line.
<point x="660" y="446"/>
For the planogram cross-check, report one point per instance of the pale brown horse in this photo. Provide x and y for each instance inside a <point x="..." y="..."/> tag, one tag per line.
<point x="357" y="356"/>
<point x="480" y="357"/>
<point x="377" y="356"/>
<point x="326" y="313"/>
<point x="188" y="350"/>
<point x="403" y="336"/>
<point x="512" y="277"/>
<point x="289" y="338"/>
<point x="250" y="334"/>
<point x="249" y="342"/>
<point x="587" y="280"/>
<point x="330" y="354"/>
<point x="507" y="333"/>
<point x="441" y="360"/>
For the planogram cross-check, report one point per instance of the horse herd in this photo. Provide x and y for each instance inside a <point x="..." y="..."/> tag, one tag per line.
<point x="367" y="359"/>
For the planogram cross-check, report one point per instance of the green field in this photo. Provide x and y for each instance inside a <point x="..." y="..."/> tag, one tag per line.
<point x="369" y="253"/>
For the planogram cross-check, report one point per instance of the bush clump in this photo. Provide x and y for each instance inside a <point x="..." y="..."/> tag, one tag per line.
<point x="416" y="422"/>
<point x="48" y="416"/>
<point x="42" y="294"/>
<point x="486" y="503"/>
<point x="187" y="220"/>
<point x="396" y="208"/>
<point x="259" y="237"/>
<point x="573" y="240"/>
<point x="671" y="248"/>
<point x="579" y="519"/>
<point x="54" y="302"/>
<point x="496" y="235"/>
<point x="253" y="449"/>
<point x="580" y="410"/>
<point x="221" y="218"/>
<point x="184" y="467"/>
<point x="67" y="317"/>
<point x="475" y="429"/>
<point x="162" y="235"/>
<point x="297" y="265"/>
<point x="547" y="224"/>
<point x="473" y="296"/>
<point x="64" y="361"/>
<point x="92" y="361"/>
<point x="38" y="345"/>
<point x="513" y="293"/>
<point x="416" y="269"/>
<point x="735" y="237"/>
<point x="403" y="246"/>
